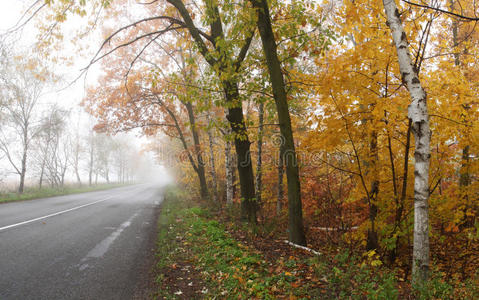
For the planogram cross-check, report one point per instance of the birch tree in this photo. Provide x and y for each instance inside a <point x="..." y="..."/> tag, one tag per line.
<point x="419" y="116"/>
<point x="22" y="82"/>
<point x="49" y="140"/>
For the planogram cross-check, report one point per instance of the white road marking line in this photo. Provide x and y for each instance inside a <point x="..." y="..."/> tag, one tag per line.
<point x="54" y="214"/>
<point x="102" y="247"/>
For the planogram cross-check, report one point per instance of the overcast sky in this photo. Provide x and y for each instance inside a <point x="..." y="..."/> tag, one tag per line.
<point x="65" y="95"/>
<point x="9" y="13"/>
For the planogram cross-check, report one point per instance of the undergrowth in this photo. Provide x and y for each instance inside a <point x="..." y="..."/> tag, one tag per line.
<point x="228" y="269"/>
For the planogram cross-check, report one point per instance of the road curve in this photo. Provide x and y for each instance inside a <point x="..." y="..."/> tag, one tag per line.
<point x="85" y="246"/>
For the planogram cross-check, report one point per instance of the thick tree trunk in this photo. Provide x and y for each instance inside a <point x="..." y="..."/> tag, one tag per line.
<point x="258" y="187"/>
<point x="296" y="230"/>
<point x="418" y="113"/>
<point x="225" y="66"/>
<point x="199" y="158"/>
<point x="235" y="117"/>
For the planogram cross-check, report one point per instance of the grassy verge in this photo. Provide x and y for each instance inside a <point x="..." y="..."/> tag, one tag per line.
<point x="196" y="249"/>
<point x="35" y="193"/>
<point x="200" y="258"/>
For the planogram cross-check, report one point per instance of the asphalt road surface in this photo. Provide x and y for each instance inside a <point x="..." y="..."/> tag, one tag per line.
<point x="95" y="245"/>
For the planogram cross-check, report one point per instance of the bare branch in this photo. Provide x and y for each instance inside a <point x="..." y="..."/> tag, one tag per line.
<point x="466" y="18"/>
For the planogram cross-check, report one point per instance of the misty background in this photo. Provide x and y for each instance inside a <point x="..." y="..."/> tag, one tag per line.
<point x="47" y="139"/>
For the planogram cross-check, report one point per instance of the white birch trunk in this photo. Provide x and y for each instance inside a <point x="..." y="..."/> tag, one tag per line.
<point x="417" y="112"/>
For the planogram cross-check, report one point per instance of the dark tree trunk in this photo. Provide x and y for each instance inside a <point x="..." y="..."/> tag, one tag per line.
<point x="258" y="187"/>
<point x="280" y="191"/>
<point x="400" y="200"/>
<point x="296" y="230"/>
<point x="464" y="177"/>
<point x="229" y="165"/>
<point x="214" y="178"/>
<point x="226" y="67"/>
<point x="235" y="117"/>
<point x="235" y="174"/>
<point x="199" y="158"/>
<point x="372" y="240"/>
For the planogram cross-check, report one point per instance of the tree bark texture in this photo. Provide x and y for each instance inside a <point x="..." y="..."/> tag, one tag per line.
<point x="372" y="241"/>
<point x="199" y="157"/>
<point x="249" y="206"/>
<point x="212" y="160"/>
<point x="419" y="116"/>
<point x="224" y="66"/>
<point x="280" y="191"/>
<point x="229" y="166"/>
<point x="259" y="161"/>
<point x="296" y="230"/>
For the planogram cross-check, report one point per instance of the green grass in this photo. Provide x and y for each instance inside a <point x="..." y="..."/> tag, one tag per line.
<point x="36" y="193"/>
<point x="228" y="269"/>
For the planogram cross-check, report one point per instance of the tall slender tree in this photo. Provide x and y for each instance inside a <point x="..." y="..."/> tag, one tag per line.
<point x="22" y="82"/>
<point x="296" y="230"/>
<point x="227" y="69"/>
<point x="419" y="116"/>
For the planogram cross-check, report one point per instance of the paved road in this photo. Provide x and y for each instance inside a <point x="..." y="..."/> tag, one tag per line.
<point x="86" y="246"/>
